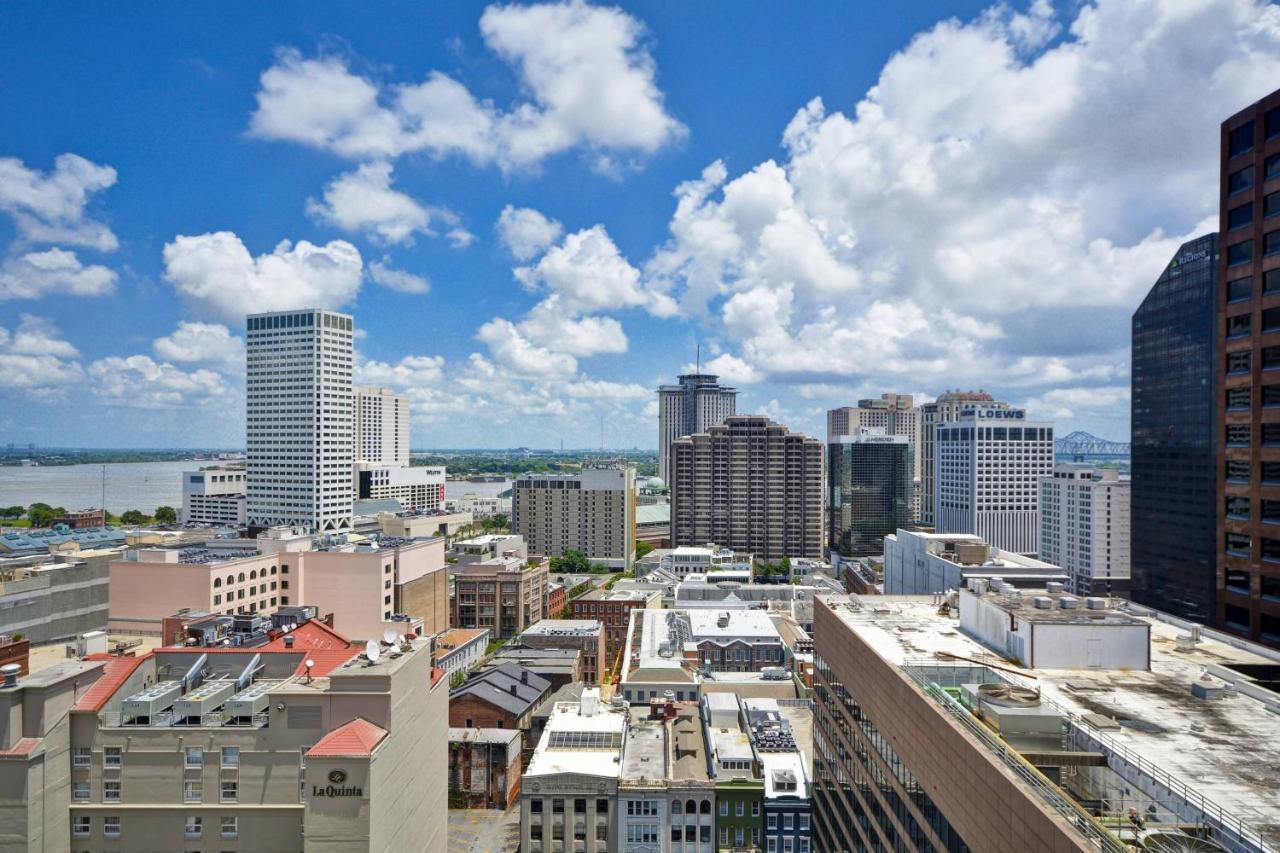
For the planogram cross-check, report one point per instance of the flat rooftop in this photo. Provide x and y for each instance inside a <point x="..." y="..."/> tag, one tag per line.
<point x="574" y="742"/>
<point x="565" y="628"/>
<point x="644" y="756"/>
<point x="740" y="624"/>
<point x="1227" y="750"/>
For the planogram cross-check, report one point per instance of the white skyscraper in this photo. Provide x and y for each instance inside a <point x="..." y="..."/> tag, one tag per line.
<point x="989" y="462"/>
<point x="382" y="427"/>
<point x="946" y="408"/>
<point x="698" y="403"/>
<point x="1084" y="527"/>
<point x="299" y="421"/>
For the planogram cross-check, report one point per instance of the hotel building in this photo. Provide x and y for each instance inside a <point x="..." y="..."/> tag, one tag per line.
<point x="696" y="404"/>
<point x="593" y="512"/>
<point x="1084" y="528"/>
<point x="990" y="461"/>
<point x="214" y="496"/>
<point x="299" y="420"/>
<point x="946" y="408"/>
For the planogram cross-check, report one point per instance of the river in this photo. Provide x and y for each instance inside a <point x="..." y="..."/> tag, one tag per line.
<point x="132" y="485"/>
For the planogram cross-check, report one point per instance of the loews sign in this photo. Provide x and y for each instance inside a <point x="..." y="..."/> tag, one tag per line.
<point x="995" y="414"/>
<point x="336" y="787"/>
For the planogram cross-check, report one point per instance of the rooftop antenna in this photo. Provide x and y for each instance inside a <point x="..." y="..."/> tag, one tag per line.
<point x="699" y="357"/>
<point x="104" y="495"/>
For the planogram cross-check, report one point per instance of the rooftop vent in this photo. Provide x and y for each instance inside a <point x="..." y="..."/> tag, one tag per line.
<point x="10" y="672"/>
<point x="1069" y="602"/>
<point x="1043" y="602"/>
<point x="1093" y="602"/>
<point x="1008" y="695"/>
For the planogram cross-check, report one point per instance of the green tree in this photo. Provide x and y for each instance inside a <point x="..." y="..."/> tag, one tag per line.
<point x="132" y="516"/>
<point x="571" y="562"/>
<point x="42" y="515"/>
<point x="500" y="520"/>
<point x="166" y="515"/>
<point x="13" y="512"/>
<point x="642" y="548"/>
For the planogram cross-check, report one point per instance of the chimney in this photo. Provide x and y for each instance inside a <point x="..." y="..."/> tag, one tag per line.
<point x="514" y="690"/>
<point x="524" y="676"/>
<point x="288" y="641"/>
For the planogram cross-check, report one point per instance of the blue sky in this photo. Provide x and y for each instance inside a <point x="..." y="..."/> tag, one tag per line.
<point x="535" y="211"/>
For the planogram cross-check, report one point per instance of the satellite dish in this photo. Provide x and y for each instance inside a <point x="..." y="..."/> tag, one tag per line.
<point x="389" y="637"/>
<point x="310" y="663"/>
<point x="372" y="651"/>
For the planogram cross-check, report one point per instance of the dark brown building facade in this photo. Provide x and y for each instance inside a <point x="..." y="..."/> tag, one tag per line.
<point x="1248" y="398"/>
<point x="751" y="485"/>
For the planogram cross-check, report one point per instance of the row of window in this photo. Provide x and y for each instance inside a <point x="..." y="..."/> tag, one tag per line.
<point x="1242" y="252"/>
<point x="192" y="757"/>
<point x="1243" y="138"/>
<point x="193" y="826"/>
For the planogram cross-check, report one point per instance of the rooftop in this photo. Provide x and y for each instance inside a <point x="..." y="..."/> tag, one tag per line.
<point x="644" y="755"/>
<point x="712" y="624"/>
<point x="356" y="739"/>
<point x="785" y="775"/>
<point x="1226" y="750"/>
<point x="565" y="628"/>
<point x="454" y="638"/>
<point x="583" y="738"/>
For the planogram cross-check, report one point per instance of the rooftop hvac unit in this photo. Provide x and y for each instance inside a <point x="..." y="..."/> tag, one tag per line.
<point x="1043" y="602"/>
<point x="774" y="673"/>
<point x="1054" y="587"/>
<point x="204" y="698"/>
<point x="156" y="698"/>
<point x="250" y="701"/>
<point x="1094" y="602"/>
<point x="1069" y="602"/>
<point x="1172" y="841"/>
<point x="1008" y="695"/>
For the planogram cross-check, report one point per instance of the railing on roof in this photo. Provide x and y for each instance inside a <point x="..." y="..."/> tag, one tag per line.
<point x="925" y="671"/>
<point x="166" y="720"/>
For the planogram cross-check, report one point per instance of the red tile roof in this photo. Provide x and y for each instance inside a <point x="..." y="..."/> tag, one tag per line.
<point x="115" y="672"/>
<point x="314" y="640"/>
<point x="22" y="747"/>
<point x="356" y="738"/>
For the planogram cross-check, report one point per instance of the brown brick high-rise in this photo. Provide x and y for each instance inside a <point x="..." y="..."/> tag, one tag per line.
<point x="1248" y="400"/>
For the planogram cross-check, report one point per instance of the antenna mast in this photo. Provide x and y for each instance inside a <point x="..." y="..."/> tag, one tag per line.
<point x="699" y="370"/>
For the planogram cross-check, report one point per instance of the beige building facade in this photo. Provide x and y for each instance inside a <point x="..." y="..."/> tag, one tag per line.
<point x="506" y="595"/>
<point x="593" y="512"/>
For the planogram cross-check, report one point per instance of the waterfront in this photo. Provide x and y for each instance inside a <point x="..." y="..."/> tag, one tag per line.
<point x="133" y="485"/>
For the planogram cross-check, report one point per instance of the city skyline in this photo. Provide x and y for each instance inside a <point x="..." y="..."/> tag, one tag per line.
<point x="548" y="268"/>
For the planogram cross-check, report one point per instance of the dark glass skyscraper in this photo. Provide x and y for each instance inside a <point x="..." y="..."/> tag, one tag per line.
<point x="869" y="490"/>
<point x="1174" y="503"/>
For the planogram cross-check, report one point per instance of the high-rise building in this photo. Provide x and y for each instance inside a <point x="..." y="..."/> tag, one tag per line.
<point x="382" y="426"/>
<point x="896" y="414"/>
<point x="990" y="461"/>
<point x="748" y="484"/>
<point x="593" y="512"/>
<point x="1084" y="527"/>
<point x="1248" y="333"/>
<point x="868" y="490"/>
<point x="696" y="404"/>
<point x="946" y="408"/>
<point x="1174" y="416"/>
<point x="299" y="424"/>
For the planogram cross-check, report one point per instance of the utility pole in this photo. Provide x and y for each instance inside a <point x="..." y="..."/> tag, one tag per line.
<point x="104" y="495"/>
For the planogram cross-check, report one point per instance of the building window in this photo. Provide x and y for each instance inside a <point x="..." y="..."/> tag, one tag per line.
<point x="80" y="825"/>
<point x="724" y="808"/>
<point x="1271" y="435"/>
<point x="81" y="756"/>
<point x="80" y="792"/>
<point x="112" y="756"/>
<point x="1238" y="435"/>
<point x="230" y="826"/>
<point x="111" y="826"/>
<point x="1237" y="544"/>
<point x="1238" y="399"/>
<point x="230" y="756"/>
<point x="535" y="806"/>
<point x="194" y="826"/>
<point x="755" y="808"/>
<point x="1238" y="326"/>
<point x="1240" y="290"/>
<point x="1238" y="508"/>
<point x="1271" y="550"/>
<point x="1238" y="362"/>
<point x="194" y="757"/>
<point x="192" y="791"/>
<point x="1240" y="253"/>
<point x="1239" y="217"/>
<point x="230" y="790"/>
<point x="111" y="791"/>
<point x="1240" y="140"/>
<point x="1271" y="243"/>
<point x="1273" y="123"/>
<point x="602" y="807"/>
<point x="739" y="809"/>
<point x="1241" y="180"/>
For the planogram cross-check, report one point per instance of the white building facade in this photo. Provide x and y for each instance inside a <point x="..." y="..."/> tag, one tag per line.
<point x="299" y="424"/>
<point x="946" y="408"/>
<point x="213" y="496"/>
<point x="696" y="404"/>
<point x="1084" y="527"/>
<point x="382" y="427"/>
<point x="989" y="463"/>
<point x="420" y="487"/>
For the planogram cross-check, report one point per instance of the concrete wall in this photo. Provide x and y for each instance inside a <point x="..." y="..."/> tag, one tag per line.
<point x="58" y="603"/>
<point x="427" y="596"/>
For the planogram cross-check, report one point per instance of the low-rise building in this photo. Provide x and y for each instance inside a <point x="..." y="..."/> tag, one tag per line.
<point x="585" y="635"/>
<point x="917" y="563"/>
<point x="418" y="488"/>
<point x="568" y="795"/>
<point x="489" y="547"/>
<point x="499" y="697"/>
<point x="459" y="649"/>
<point x="735" y="770"/>
<point x="60" y="538"/>
<point x="785" y="769"/>
<point x="82" y="519"/>
<point x="423" y="524"/>
<point x="484" y="768"/>
<point x="53" y="597"/>
<point x="300" y="744"/>
<point x="558" y="666"/>
<point x="612" y="608"/>
<point x="504" y="594"/>
<point x="694" y="559"/>
<point x="479" y="506"/>
<point x="557" y="599"/>
<point x="700" y="592"/>
<point x="653" y="523"/>
<point x="214" y="497"/>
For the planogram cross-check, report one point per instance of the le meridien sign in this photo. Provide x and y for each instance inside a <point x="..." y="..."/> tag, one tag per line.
<point x="336" y="788"/>
<point x="995" y="414"/>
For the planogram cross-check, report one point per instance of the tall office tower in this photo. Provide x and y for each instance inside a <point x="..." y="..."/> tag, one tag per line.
<point x="868" y="490"/>
<point x="946" y="408"/>
<point x="751" y="485"/>
<point x="990" y="461"/>
<point x="698" y="403"/>
<point x="593" y="512"/>
<point x="896" y="414"/>
<point x="1248" y="333"/>
<point x="1084" y="527"/>
<point x="299" y="422"/>
<point x="1174" y="501"/>
<point x="382" y="427"/>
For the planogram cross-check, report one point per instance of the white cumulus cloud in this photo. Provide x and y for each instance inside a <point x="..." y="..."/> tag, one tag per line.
<point x="526" y="232"/>
<point x="50" y="207"/>
<point x="382" y="273"/>
<point x="202" y="343"/>
<point x="52" y="271"/>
